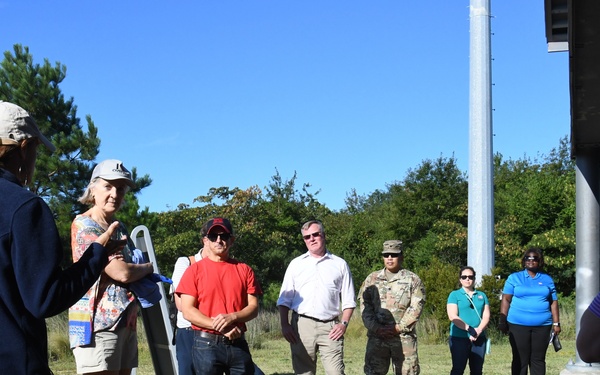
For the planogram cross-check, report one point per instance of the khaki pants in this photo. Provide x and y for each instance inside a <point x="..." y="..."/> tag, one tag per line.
<point x="314" y="337"/>
<point x="109" y="351"/>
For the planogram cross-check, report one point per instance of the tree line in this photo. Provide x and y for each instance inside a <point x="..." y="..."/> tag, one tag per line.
<point x="534" y="204"/>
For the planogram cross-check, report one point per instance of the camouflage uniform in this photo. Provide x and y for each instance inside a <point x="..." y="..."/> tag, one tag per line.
<point x="384" y="303"/>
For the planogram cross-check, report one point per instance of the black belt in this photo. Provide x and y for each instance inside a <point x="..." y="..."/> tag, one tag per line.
<point x="317" y="320"/>
<point x="218" y="338"/>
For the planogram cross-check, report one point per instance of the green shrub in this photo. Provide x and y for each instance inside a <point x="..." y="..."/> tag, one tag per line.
<point x="566" y="306"/>
<point x="270" y="296"/>
<point x="492" y="286"/>
<point x="432" y="331"/>
<point x="440" y="279"/>
<point x="265" y="326"/>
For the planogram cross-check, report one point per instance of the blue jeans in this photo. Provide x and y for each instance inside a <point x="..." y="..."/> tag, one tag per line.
<point x="214" y="357"/>
<point x="257" y="370"/>
<point x="183" y="348"/>
<point x="464" y="350"/>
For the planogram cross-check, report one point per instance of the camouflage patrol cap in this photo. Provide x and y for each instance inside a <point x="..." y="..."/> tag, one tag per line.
<point x="392" y="247"/>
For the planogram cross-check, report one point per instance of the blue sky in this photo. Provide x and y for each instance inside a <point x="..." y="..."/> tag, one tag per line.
<point x="348" y="94"/>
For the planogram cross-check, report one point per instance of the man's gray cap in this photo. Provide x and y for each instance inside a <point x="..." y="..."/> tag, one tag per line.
<point x="392" y="247"/>
<point x="16" y="125"/>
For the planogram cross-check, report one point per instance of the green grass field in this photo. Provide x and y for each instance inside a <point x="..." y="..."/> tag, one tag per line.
<point x="273" y="356"/>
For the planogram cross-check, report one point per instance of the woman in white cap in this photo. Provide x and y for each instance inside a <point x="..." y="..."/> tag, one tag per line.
<point x="102" y="325"/>
<point x="32" y="284"/>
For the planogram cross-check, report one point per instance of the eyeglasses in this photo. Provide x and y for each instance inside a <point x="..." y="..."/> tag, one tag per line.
<point x="533" y="259"/>
<point x="470" y="277"/>
<point x="393" y="255"/>
<point x="314" y="235"/>
<point x="213" y="236"/>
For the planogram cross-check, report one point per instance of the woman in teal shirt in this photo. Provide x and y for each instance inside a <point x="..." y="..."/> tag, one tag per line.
<point x="469" y="313"/>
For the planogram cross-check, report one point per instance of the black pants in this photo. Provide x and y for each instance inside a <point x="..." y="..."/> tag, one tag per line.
<point x="529" y="345"/>
<point x="464" y="350"/>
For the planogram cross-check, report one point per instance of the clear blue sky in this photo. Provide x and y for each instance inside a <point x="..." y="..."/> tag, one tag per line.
<point x="349" y="94"/>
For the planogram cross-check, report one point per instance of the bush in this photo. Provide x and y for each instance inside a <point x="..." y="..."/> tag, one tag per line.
<point x="566" y="306"/>
<point x="492" y="286"/>
<point x="439" y="279"/>
<point x="270" y="296"/>
<point x="264" y="327"/>
<point x="432" y="331"/>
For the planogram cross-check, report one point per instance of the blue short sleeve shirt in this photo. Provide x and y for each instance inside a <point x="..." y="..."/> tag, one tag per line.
<point x="532" y="297"/>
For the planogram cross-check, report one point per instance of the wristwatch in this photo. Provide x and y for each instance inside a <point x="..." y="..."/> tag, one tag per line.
<point x="345" y="323"/>
<point x="556" y="324"/>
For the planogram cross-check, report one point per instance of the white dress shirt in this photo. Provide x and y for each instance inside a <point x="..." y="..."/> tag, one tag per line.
<point x="313" y="286"/>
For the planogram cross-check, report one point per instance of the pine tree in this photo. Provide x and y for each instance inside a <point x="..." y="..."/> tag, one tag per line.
<point x="62" y="176"/>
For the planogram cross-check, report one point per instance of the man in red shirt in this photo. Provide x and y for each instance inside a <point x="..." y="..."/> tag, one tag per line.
<point x="218" y="296"/>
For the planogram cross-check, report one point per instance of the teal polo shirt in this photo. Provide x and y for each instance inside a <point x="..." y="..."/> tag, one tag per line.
<point x="466" y="309"/>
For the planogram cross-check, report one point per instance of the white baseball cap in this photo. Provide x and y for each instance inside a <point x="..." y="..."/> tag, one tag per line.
<point x="16" y="125"/>
<point x="112" y="169"/>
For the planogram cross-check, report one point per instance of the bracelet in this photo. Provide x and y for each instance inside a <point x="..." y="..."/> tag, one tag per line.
<point x="556" y="324"/>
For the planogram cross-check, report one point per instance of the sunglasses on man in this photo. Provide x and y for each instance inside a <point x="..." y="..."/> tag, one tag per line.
<point x="313" y="235"/>
<point x="212" y="237"/>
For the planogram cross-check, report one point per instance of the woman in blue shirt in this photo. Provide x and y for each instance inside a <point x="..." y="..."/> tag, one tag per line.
<point x="529" y="312"/>
<point x="469" y="312"/>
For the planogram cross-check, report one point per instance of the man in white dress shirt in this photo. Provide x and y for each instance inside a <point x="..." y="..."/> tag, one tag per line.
<point x="312" y="287"/>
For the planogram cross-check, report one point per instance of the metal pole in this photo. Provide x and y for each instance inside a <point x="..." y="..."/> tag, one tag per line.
<point x="480" y="252"/>
<point x="587" y="235"/>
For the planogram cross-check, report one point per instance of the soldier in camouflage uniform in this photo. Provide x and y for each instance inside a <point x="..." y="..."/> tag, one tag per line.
<point x="391" y="301"/>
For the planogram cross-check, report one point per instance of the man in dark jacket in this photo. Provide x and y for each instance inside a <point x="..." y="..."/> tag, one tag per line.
<point x="32" y="284"/>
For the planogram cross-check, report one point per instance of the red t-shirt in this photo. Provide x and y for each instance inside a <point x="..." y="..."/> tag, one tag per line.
<point x="219" y="287"/>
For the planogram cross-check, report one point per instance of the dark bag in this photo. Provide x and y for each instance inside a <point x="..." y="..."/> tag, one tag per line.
<point x="172" y="309"/>
<point x="555" y="342"/>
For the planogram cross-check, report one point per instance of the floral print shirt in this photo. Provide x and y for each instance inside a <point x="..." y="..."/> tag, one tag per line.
<point x="108" y="303"/>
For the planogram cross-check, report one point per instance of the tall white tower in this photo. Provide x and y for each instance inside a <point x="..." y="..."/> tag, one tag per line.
<point x="481" y="182"/>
